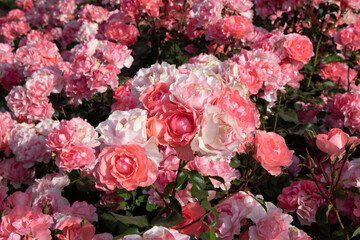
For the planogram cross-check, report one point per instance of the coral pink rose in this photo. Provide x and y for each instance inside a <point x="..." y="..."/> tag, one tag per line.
<point x="73" y="228"/>
<point x="237" y="26"/>
<point x="299" y="48"/>
<point x="272" y="152"/>
<point x="334" y="143"/>
<point x="126" y="166"/>
<point x="192" y="211"/>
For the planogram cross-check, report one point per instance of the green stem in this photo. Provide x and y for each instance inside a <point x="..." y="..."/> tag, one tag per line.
<point x="277" y="114"/>
<point x="315" y="60"/>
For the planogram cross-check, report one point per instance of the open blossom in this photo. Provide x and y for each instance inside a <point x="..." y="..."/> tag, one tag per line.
<point x="126" y="166"/>
<point x="6" y="125"/>
<point x="237" y="27"/>
<point x="25" y="221"/>
<point x="77" y="157"/>
<point x="299" y="48"/>
<point x="124" y="127"/>
<point x="271" y="151"/>
<point x="301" y="197"/>
<point x="72" y="228"/>
<point x="219" y="136"/>
<point x="334" y="142"/>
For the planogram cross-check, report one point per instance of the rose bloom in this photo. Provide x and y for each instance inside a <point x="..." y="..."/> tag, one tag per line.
<point x="75" y="158"/>
<point x="26" y="221"/>
<point x="272" y="152"/>
<point x="274" y="225"/>
<point x="6" y="125"/>
<point x="72" y="228"/>
<point x="191" y="212"/>
<point x="334" y="143"/>
<point x="299" y="48"/>
<point x="126" y="166"/>
<point x="237" y="26"/>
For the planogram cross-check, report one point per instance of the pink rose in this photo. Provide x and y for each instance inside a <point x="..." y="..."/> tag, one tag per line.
<point x="272" y="152"/>
<point x="126" y="166"/>
<point x="73" y="228"/>
<point x="192" y="211"/>
<point x="23" y="221"/>
<point x="299" y="48"/>
<point x="77" y="157"/>
<point x="237" y="27"/>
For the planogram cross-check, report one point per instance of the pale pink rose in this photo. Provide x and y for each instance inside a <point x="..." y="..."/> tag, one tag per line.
<point x="162" y="233"/>
<point x="72" y="228"/>
<point x="15" y="172"/>
<point x="18" y="199"/>
<point x="232" y="214"/>
<point x="353" y="4"/>
<point x="124" y="127"/>
<point x="103" y="236"/>
<point x="221" y="168"/>
<point x="352" y="120"/>
<point x="53" y="180"/>
<point x="219" y="136"/>
<point x="76" y="157"/>
<point x="192" y="211"/>
<point x="23" y="221"/>
<point x="81" y="210"/>
<point x="300" y="196"/>
<point x="52" y="199"/>
<point x="215" y="32"/>
<point x="240" y="108"/>
<point x="271" y="151"/>
<point x="84" y="133"/>
<point x="157" y="73"/>
<point x="352" y="174"/>
<point x="6" y="54"/>
<point x="125" y="166"/>
<point x="207" y="11"/>
<point x="18" y="102"/>
<point x="76" y="89"/>
<point x="61" y="138"/>
<point x="28" y="146"/>
<point x="341" y="104"/>
<point x="113" y="53"/>
<point x="298" y="234"/>
<point x="125" y="99"/>
<point x="103" y="76"/>
<point x="292" y="75"/>
<point x="195" y="89"/>
<point x="299" y="48"/>
<point x="334" y="142"/>
<point x="6" y="125"/>
<point x="39" y="109"/>
<point x="274" y="225"/>
<point x="237" y="27"/>
<point x="93" y="13"/>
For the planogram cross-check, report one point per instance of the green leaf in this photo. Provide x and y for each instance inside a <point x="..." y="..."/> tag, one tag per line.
<point x="205" y="204"/>
<point x="322" y="219"/>
<point x="260" y="201"/>
<point x="140" y="221"/>
<point x="173" y="219"/>
<point x="289" y="116"/>
<point x="181" y="180"/>
<point x="332" y="58"/>
<point x="356" y="232"/>
<point x="123" y="193"/>
<point x="175" y="205"/>
<point x="169" y="187"/>
<point x="217" y="178"/>
<point x="212" y="233"/>
<point x="198" y="185"/>
<point x="353" y="190"/>
<point x="204" y="236"/>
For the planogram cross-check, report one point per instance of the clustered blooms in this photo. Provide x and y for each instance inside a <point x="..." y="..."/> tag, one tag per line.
<point x="201" y="112"/>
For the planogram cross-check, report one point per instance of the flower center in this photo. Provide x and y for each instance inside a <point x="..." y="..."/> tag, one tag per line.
<point x="125" y="165"/>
